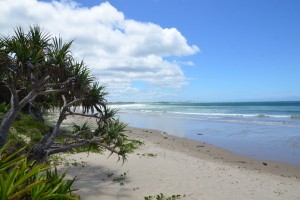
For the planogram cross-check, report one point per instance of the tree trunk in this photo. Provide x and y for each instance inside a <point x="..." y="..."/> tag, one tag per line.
<point x="15" y="107"/>
<point x="41" y="114"/>
<point x="5" y="125"/>
<point x="38" y="153"/>
<point x="56" y="128"/>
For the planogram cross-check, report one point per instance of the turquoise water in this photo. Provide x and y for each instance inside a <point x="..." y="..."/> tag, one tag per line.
<point x="261" y="130"/>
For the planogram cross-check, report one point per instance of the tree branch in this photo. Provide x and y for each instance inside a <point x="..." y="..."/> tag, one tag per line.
<point x="70" y="135"/>
<point x="59" y="84"/>
<point x="65" y="102"/>
<point x="14" y="99"/>
<point x="73" y="102"/>
<point x="55" y="131"/>
<point x="84" y="115"/>
<point x="76" y="135"/>
<point x="69" y="146"/>
<point x="44" y="92"/>
<point x="39" y="83"/>
<point x="82" y="131"/>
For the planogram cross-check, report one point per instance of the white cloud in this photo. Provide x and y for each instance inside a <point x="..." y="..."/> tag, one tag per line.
<point x="119" y="50"/>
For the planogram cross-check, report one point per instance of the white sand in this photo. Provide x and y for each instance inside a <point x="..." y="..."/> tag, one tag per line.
<point x="201" y="172"/>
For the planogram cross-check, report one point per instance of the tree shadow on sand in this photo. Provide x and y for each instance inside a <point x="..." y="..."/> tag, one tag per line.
<point x="99" y="182"/>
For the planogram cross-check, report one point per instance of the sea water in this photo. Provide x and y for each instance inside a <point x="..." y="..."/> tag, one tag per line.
<point x="261" y="130"/>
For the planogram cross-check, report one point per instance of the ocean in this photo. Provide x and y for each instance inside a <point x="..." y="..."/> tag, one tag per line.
<point x="260" y="130"/>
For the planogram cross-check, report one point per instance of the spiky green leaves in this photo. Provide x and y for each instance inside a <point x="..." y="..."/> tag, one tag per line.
<point x="20" y="179"/>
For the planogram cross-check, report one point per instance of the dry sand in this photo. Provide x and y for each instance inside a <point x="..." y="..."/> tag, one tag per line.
<point x="170" y="165"/>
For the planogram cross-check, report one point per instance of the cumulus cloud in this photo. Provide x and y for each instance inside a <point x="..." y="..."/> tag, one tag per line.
<point x="119" y="50"/>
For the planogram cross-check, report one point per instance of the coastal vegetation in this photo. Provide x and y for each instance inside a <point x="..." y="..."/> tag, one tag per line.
<point x="161" y="196"/>
<point x="39" y="75"/>
<point x="23" y="179"/>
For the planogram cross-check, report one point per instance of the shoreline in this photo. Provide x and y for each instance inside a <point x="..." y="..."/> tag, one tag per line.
<point x="211" y="152"/>
<point x="266" y="140"/>
<point x="171" y="165"/>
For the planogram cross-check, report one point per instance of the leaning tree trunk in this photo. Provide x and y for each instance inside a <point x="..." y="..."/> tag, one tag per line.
<point x="6" y="124"/>
<point x="39" y="151"/>
<point x="16" y="105"/>
<point x="15" y="108"/>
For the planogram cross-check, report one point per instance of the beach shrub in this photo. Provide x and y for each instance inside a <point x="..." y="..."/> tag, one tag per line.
<point x="23" y="179"/>
<point x="31" y="128"/>
<point x="84" y="127"/>
<point x="55" y="187"/>
<point x="26" y="131"/>
<point x="8" y="159"/>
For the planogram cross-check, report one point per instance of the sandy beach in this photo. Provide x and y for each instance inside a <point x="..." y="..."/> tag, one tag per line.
<point x="176" y="166"/>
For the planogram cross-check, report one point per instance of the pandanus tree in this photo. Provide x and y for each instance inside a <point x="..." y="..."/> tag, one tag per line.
<point x="28" y="71"/>
<point x="40" y="70"/>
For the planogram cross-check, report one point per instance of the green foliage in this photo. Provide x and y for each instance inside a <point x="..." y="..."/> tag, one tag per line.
<point x="161" y="196"/>
<point x="27" y="131"/>
<point x="26" y="123"/>
<point x="16" y="142"/>
<point x="20" y="179"/>
<point x="16" y="184"/>
<point x="7" y="159"/>
<point x="114" y="135"/>
<point x="42" y="68"/>
<point x="34" y="66"/>
<point x="83" y="78"/>
<point x="15" y="173"/>
<point x="94" y="98"/>
<point x="4" y="108"/>
<point x="90" y="148"/>
<point x="54" y="187"/>
<point x="84" y="127"/>
<point x="33" y="53"/>
<point x="130" y="145"/>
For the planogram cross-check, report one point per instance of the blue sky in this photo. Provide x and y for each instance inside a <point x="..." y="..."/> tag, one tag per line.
<point x="233" y="50"/>
<point x="250" y="50"/>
